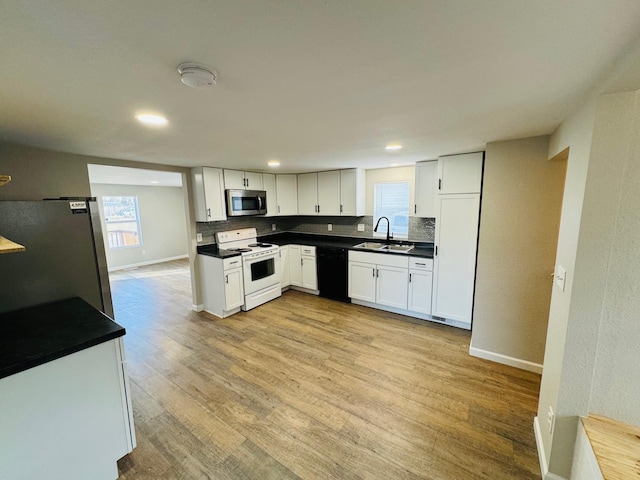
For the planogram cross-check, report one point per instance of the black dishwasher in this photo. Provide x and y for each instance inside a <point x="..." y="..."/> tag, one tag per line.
<point x="332" y="273"/>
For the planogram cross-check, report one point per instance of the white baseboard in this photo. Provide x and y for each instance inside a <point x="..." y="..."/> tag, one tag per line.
<point x="197" y="308"/>
<point x="505" y="360"/>
<point x="149" y="262"/>
<point x="542" y="458"/>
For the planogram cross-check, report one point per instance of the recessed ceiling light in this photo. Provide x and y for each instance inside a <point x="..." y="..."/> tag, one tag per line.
<point x="394" y="164"/>
<point x="152" y="119"/>
<point x="391" y="148"/>
<point x="154" y="181"/>
<point x="273" y="163"/>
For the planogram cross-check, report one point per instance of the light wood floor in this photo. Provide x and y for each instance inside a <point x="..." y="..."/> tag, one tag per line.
<point x="309" y="388"/>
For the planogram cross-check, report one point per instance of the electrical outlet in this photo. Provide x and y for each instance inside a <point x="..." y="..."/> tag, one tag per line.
<point x="198" y="237"/>
<point x="551" y="419"/>
<point x="361" y="227"/>
<point x="329" y="227"/>
<point x="273" y="227"/>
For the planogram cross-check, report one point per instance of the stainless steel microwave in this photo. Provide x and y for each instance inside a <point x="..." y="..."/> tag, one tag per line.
<point x="246" y="202"/>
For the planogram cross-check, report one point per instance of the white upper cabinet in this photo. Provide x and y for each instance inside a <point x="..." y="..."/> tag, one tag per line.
<point x="329" y="193"/>
<point x="269" y="186"/>
<point x="286" y="194"/>
<point x="352" y="185"/>
<point x="308" y="194"/>
<point x="239" y="180"/>
<point x="426" y="189"/>
<point x="208" y="192"/>
<point x="460" y="173"/>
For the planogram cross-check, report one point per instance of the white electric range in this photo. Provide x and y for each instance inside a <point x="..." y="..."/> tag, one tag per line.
<point x="260" y="265"/>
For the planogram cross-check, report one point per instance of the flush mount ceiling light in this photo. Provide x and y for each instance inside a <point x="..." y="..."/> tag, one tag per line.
<point x="196" y="75"/>
<point x="394" y="164"/>
<point x="393" y="148"/>
<point x="273" y="163"/>
<point x="152" y="119"/>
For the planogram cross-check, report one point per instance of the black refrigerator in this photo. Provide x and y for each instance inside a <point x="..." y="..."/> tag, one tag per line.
<point x="64" y="254"/>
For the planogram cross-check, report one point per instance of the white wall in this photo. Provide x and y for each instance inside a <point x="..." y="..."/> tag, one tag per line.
<point x="520" y="214"/>
<point x="162" y="223"/>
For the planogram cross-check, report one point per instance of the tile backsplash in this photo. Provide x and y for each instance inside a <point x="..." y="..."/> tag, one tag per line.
<point x="420" y="229"/>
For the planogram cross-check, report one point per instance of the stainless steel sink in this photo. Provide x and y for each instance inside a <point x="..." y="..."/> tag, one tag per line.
<point x="397" y="248"/>
<point x="381" y="247"/>
<point x="370" y="245"/>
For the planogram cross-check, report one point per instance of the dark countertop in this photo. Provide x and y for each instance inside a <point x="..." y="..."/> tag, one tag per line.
<point x="37" y="335"/>
<point x="212" y="250"/>
<point x="424" y="250"/>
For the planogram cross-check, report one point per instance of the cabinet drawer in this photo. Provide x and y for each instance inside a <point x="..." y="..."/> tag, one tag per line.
<point x="379" y="259"/>
<point x="309" y="251"/>
<point x="233" y="262"/>
<point x="418" y="263"/>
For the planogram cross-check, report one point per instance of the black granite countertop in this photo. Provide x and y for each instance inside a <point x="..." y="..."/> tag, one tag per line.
<point x="424" y="250"/>
<point x="37" y="335"/>
<point x="212" y="250"/>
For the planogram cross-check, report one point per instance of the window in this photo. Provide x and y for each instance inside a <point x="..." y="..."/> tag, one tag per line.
<point x="391" y="200"/>
<point x="123" y="221"/>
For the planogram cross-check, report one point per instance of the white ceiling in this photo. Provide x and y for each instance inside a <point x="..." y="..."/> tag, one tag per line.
<point x="317" y="84"/>
<point x="133" y="176"/>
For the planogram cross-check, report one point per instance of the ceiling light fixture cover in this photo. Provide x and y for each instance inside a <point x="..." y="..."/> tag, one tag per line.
<point x="196" y="75"/>
<point x="273" y="163"/>
<point x="392" y="148"/>
<point x="152" y="119"/>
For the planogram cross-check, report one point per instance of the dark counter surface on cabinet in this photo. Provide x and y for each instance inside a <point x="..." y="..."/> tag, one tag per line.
<point x="37" y="335"/>
<point x="424" y="250"/>
<point x="212" y="250"/>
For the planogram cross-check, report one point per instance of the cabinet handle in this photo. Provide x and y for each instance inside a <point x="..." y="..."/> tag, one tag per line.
<point x="302" y="261"/>
<point x="436" y="252"/>
<point x="373" y="272"/>
<point x="340" y="208"/>
<point x="227" y="278"/>
<point x="409" y="278"/>
<point x="439" y="184"/>
<point x="377" y="273"/>
<point x="208" y="213"/>
<point x="278" y="208"/>
<point x="415" y="209"/>
<point x="423" y="264"/>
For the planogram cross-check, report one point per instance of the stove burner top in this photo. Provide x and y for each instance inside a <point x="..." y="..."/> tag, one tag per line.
<point x="239" y="249"/>
<point x="263" y="245"/>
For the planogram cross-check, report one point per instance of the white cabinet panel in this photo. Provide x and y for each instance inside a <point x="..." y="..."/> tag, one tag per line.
<point x="285" y="275"/>
<point x="329" y="193"/>
<point x="362" y="281"/>
<point x="295" y="265"/>
<point x="391" y="288"/>
<point x="233" y="289"/>
<point x="426" y="189"/>
<point x="308" y="194"/>
<point x="460" y="173"/>
<point x="208" y="192"/>
<point x="420" y="283"/>
<point x="352" y="196"/>
<point x="253" y="180"/>
<point x="286" y="194"/>
<point x="221" y="285"/>
<point x="239" y="180"/>
<point x="309" y="272"/>
<point x="455" y="259"/>
<point x="269" y="185"/>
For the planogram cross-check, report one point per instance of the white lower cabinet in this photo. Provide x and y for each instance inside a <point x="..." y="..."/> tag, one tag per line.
<point x="218" y="276"/>
<point x="379" y="278"/>
<point x="285" y="273"/>
<point x="302" y="267"/>
<point x="420" y="285"/>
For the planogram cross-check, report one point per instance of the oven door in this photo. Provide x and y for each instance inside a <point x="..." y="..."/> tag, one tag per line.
<point x="261" y="272"/>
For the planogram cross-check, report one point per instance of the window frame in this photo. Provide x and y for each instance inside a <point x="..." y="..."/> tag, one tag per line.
<point x="122" y="221"/>
<point x="383" y="232"/>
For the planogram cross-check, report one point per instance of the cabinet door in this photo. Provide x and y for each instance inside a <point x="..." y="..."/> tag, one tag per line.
<point x="329" y="193"/>
<point x="308" y="194"/>
<point x="234" y="179"/>
<point x="352" y="185"/>
<point x="253" y="181"/>
<point x="426" y="189"/>
<point x="269" y="185"/>
<point x="391" y="288"/>
<point x="295" y="265"/>
<point x="208" y="191"/>
<point x="285" y="275"/>
<point x="460" y="173"/>
<point x="420" y="283"/>
<point x="455" y="262"/>
<point x="362" y="281"/>
<point x="287" y="194"/>
<point x="233" y="289"/>
<point x="309" y="272"/>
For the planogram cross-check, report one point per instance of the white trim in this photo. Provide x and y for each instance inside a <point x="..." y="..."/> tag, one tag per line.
<point x="197" y="308"/>
<point x="542" y="458"/>
<point x="149" y="262"/>
<point x="504" y="359"/>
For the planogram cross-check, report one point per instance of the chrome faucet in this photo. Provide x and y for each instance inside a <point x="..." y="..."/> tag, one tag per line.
<point x="389" y="235"/>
